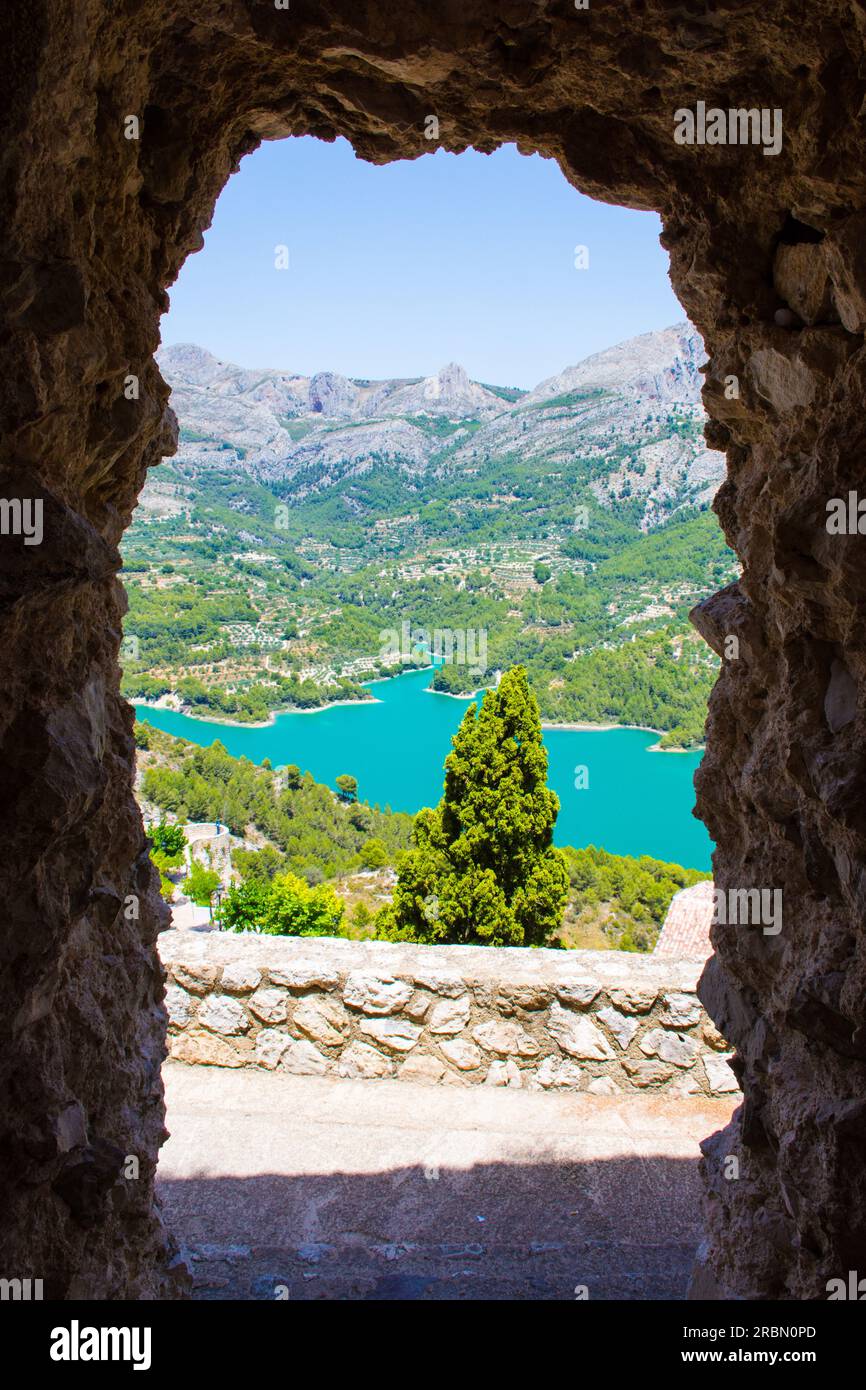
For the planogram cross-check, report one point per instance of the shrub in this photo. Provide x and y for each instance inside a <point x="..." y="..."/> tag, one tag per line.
<point x="287" y="906"/>
<point x="162" y="865"/>
<point x="374" y="854"/>
<point x="169" y="840"/>
<point x="201" y="883"/>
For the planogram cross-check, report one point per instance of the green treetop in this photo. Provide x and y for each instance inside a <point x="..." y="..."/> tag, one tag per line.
<point x="169" y="840"/>
<point x="347" y="787"/>
<point x="483" y="868"/>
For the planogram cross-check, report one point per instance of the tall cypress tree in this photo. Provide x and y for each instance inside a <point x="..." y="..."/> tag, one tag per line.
<point x="483" y="868"/>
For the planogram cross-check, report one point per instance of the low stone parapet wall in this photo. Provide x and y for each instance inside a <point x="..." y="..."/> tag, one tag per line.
<point x="597" y="1021"/>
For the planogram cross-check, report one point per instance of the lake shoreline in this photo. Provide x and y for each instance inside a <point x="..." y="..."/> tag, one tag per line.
<point x="451" y="695"/>
<point x="578" y="727"/>
<point x="586" y="728"/>
<point x="188" y="713"/>
<point x="397" y="749"/>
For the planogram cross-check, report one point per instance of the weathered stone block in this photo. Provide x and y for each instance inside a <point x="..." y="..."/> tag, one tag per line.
<point x="322" y="1019"/>
<point x="680" y="1010"/>
<point x="578" y="1036"/>
<point x="179" y="1005"/>
<point x="418" y="1007"/>
<point x="720" y="1078"/>
<point x="684" y="1085"/>
<point x="420" y="1067"/>
<point x="504" y="1074"/>
<point x="203" y="1049"/>
<point x="801" y="278"/>
<point x="465" y="1055"/>
<point x="450" y="1016"/>
<point x="506" y="1039"/>
<point x="782" y="378"/>
<point x="578" y="993"/>
<point x="676" y="1048"/>
<point x="271" y="1046"/>
<point x="560" y="1073"/>
<point x="376" y="994"/>
<point x="634" y="998"/>
<point x="845" y="252"/>
<point x="645" y="1074"/>
<point x="622" y="1028"/>
<point x="302" y="1058"/>
<point x="301" y="977"/>
<point x="439" y="981"/>
<point x="530" y="997"/>
<point x="223" y="1015"/>
<point x="197" y="976"/>
<point x="239" y="978"/>
<point x="270" y="1005"/>
<point x="712" y="1037"/>
<point x="603" y="1086"/>
<point x="394" y="1034"/>
<point x="361" y="1060"/>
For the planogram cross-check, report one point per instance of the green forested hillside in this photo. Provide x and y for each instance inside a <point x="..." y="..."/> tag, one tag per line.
<point x="565" y="529"/>
<point x="618" y="899"/>
<point x="317" y="835"/>
<point x="229" y="614"/>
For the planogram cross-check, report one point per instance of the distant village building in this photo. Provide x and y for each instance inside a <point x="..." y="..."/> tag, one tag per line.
<point x="686" y="930"/>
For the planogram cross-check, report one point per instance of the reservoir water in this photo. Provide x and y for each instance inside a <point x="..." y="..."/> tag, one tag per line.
<point x="637" y="802"/>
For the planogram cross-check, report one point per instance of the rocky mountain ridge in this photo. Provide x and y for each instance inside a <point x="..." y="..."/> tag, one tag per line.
<point x="631" y="413"/>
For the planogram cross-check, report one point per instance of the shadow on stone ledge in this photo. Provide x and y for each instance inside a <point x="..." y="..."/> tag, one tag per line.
<point x="623" y="1228"/>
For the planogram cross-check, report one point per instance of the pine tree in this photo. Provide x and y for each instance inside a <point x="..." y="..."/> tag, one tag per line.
<point x="483" y="868"/>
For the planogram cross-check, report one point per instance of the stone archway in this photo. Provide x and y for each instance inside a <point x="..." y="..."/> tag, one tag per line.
<point x="98" y="225"/>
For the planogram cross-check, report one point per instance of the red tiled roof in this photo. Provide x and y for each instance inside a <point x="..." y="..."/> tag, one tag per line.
<point x="686" y="929"/>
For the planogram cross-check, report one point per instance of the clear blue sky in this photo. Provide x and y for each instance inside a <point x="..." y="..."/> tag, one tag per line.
<point x="396" y="270"/>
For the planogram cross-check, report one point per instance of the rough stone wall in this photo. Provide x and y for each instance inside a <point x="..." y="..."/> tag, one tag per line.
<point x="95" y="227"/>
<point x="446" y="1015"/>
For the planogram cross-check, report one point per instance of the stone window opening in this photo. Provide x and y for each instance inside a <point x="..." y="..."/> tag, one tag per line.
<point x="100" y="222"/>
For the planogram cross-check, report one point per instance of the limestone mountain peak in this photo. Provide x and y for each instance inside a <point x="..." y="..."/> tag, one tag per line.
<point x="633" y="412"/>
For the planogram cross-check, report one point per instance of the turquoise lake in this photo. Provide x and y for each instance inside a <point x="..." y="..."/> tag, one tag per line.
<point x="637" y="802"/>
